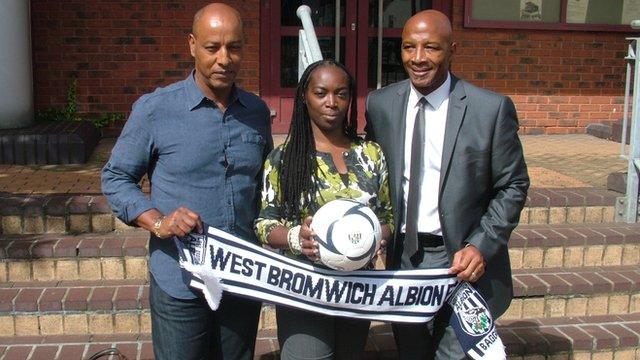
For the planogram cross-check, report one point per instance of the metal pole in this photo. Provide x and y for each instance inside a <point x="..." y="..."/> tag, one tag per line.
<point x="304" y="13"/>
<point x="16" y="74"/>
<point x="379" y="62"/>
<point x="308" y="47"/>
<point x="337" y="32"/>
<point x="631" y="215"/>
<point x="625" y="114"/>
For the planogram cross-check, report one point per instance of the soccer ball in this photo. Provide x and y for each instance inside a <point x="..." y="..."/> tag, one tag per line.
<point x="348" y="234"/>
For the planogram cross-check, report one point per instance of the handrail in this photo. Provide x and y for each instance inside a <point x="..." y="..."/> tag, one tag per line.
<point x="625" y="110"/>
<point x="308" y="46"/>
<point x="633" y="157"/>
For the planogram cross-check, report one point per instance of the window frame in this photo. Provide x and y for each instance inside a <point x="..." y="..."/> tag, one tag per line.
<point x="469" y="22"/>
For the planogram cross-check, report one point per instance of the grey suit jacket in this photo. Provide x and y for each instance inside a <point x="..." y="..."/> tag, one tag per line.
<point x="483" y="178"/>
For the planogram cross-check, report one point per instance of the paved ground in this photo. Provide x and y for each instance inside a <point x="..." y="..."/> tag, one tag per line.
<point x="554" y="161"/>
<point x="571" y="160"/>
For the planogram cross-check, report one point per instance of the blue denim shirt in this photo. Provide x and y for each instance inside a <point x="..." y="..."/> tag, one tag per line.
<point x="195" y="156"/>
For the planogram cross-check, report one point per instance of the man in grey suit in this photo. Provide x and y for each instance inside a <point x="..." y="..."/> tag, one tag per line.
<point x="458" y="182"/>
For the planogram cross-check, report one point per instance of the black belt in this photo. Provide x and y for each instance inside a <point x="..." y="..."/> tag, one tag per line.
<point x="429" y="240"/>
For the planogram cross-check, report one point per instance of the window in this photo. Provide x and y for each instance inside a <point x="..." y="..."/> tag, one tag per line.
<point x="594" y="15"/>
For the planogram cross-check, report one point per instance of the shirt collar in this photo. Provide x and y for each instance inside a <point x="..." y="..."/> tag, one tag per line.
<point x="435" y="98"/>
<point x="195" y="97"/>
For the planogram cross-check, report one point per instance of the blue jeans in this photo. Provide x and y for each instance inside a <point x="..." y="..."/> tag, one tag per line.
<point x="190" y="330"/>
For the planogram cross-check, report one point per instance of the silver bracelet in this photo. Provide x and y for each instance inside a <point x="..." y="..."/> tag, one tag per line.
<point x="293" y="239"/>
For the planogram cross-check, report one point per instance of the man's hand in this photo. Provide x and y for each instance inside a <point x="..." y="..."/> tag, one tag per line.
<point x="468" y="263"/>
<point x="180" y="223"/>
<point x="307" y="242"/>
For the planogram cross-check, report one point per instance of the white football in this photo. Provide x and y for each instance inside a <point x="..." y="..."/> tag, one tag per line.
<point x="348" y="234"/>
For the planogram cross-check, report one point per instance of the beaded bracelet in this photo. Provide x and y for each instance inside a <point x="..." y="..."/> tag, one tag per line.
<point x="293" y="239"/>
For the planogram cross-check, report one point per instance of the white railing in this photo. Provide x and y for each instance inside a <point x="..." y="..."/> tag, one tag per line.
<point x="308" y="47"/>
<point x="629" y="211"/>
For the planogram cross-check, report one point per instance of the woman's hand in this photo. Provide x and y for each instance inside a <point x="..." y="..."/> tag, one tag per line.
<point x="307" y="242"/>
<point x="386" y="234"/>
<point x="383" y="247"/>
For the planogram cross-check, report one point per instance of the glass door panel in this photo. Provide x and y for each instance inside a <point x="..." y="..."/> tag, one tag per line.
<point x="395" y="12"/>
<point x="392" y="69"/>
<point x="289" y="57"/>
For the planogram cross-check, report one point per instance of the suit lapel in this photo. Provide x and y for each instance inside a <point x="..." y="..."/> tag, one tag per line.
<point x="455" y="115"/>
<point x="399" y="106"/>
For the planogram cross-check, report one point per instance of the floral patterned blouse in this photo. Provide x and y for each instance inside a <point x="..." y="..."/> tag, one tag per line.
<point x="367" y="184"/>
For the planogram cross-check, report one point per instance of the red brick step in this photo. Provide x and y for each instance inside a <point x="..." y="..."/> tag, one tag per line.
<point x="105" y="306"/>
<point x="583" y="291"/>
<point x="38" y="246"/>
<point x="79" y="213"/>
<point x="612" y="337"/>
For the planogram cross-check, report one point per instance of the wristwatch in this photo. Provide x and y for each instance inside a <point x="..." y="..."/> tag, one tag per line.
<point x="156" y="226"/>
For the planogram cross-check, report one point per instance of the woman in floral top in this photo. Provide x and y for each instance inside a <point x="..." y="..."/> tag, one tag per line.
<point x="322" y="159"/>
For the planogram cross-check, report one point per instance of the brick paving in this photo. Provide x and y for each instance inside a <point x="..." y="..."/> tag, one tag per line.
<point x="583" y="158"/>
<point x="554" y="161"/>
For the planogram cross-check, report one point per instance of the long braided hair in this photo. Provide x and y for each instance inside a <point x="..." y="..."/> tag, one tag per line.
<point x="299" y="163"/>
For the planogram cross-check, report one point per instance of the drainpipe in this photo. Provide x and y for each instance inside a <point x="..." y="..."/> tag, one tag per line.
<point x="16" y="79"/>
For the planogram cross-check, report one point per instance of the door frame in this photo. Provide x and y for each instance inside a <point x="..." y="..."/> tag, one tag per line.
<point x="355" y="12"/>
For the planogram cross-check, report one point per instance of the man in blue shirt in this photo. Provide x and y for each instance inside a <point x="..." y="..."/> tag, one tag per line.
<point x="202" y="142"/>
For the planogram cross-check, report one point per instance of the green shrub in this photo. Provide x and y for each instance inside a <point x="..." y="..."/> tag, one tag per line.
<point x="70" y="111"/>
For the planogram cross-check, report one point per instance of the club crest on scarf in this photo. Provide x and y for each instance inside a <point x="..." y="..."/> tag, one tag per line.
<point x="474" y="318"/>
<point x="196" y="244"/>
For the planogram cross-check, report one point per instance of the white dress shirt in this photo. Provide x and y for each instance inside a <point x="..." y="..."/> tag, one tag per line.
<point x="435" y="121"/>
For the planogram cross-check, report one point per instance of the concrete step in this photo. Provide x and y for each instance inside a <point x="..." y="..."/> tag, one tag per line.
<point x="569" y="206"/>
<point x="57" y="214"/>
<point x="574" y="245"/>
<point x="597" y="337"/>
<point x="52" y="257"/>
<point x="123" y="254"/>
<point x="107" y="306"/>
<point x="81" y="307"/>
<point x="77" y="213"/>
<point x="582" y="291"/>
<point x="75" y="347"/>
<point x="74" y="308"/>
<point x="593" y="337"/>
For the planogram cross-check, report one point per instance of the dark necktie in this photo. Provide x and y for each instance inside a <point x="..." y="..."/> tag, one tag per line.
<point x="415" y="181"/>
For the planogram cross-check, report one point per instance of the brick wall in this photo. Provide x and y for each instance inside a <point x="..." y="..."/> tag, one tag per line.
<point x="120" y="49"/>
<point x="560" y="81"/>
